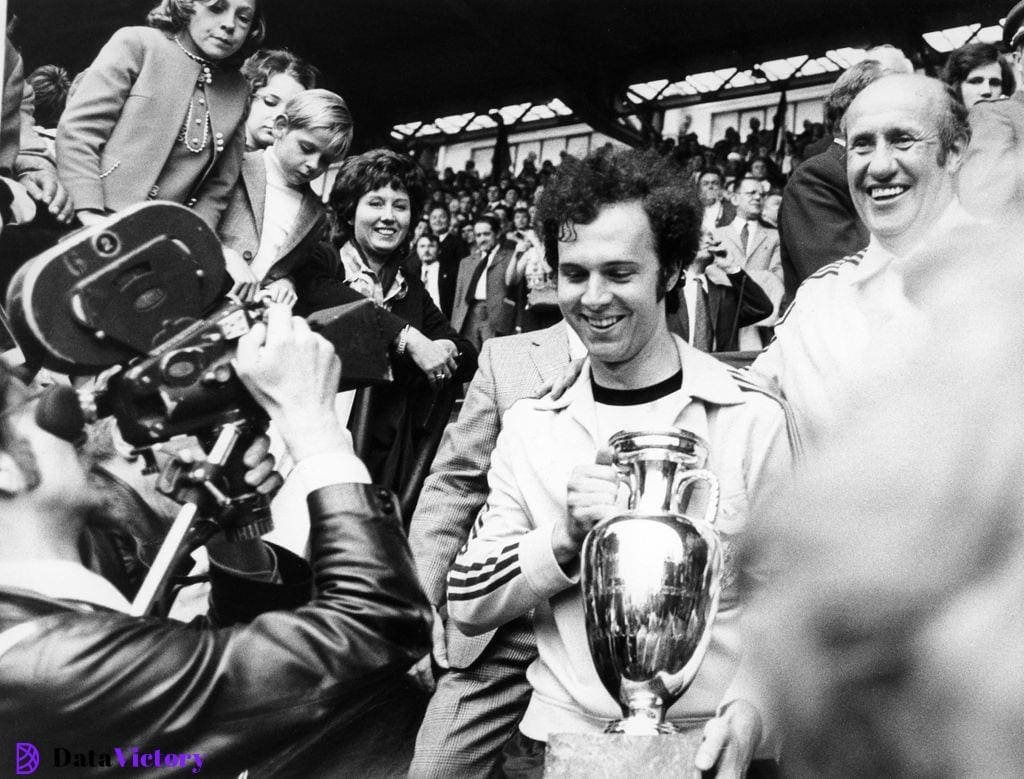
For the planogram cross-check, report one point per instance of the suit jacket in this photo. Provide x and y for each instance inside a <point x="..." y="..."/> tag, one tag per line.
<point x="453" y="494"/>
<point x="469" y="273"/>
<point x="817" y="221"/>
<point x="242" y="224"/>
<point x="447" y="274"/>
<point x="739" y="302"/>
<point x="120" y="126"/>
<point x="726" y="214"/>
<point x="991" y="180"/>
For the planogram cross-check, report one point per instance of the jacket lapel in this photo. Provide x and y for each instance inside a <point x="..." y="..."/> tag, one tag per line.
<point x="254" y="174"/>
<point x="550" y="351"/>
<point x="759" y="237"/>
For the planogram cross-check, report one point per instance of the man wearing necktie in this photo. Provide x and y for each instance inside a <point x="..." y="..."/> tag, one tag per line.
<point x="708" y="313"/>
<point x="752" y="245"/>
<point x="477" y="312"/>
<point x="439" y="281"/>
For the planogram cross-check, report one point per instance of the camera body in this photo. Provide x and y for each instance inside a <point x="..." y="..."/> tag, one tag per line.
<point x="144" y="294"/>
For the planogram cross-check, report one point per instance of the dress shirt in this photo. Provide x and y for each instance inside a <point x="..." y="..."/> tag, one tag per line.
<point x="480" y="293"/>
<point x="280" y="211"/>
<point x="431" y="275"/>
<point x="711" y="214"/>
<point x="752" y="230"/>
<point x="694" y="282"/>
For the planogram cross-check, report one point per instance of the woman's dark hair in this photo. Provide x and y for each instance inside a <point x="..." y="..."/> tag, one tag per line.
<point x="172" y="16"/>
<point x="965" y="59"/>
<point x="370" y="171"/>
<point x="50" y="86"/>
<point x="581" y="188"/>
<point x="260" y="67"/>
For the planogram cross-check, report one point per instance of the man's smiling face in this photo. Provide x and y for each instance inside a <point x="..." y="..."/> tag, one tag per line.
<point x="608" y="284"/>
<point x="900" y="179"/>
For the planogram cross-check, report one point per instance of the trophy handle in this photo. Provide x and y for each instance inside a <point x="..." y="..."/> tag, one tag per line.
<point x="714" y="491"/>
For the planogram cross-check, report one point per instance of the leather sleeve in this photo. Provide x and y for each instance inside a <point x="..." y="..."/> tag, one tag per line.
<point x="754" y="304"/>
<point x="236" y="695"/>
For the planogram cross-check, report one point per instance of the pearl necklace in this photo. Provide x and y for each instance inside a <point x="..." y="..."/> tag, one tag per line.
<point x="197" y="146"/>
<point x="207" y="76"/>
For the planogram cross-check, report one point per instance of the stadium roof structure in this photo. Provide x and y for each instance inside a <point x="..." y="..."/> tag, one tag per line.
<point x="611" y="63"/>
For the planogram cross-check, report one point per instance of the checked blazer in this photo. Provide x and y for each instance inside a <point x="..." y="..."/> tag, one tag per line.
<point x="509" y="369"/>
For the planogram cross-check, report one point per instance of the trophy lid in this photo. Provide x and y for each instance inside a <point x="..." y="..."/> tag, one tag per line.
<point x="668" y="440"/>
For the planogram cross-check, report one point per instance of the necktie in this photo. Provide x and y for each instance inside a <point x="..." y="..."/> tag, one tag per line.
<point x="745" y="236"/>
<point x="426" y="273"/>
<point x="701" y="320"/>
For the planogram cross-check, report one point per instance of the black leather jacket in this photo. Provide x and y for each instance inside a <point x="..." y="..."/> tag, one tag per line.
<point x="238" y="694"/>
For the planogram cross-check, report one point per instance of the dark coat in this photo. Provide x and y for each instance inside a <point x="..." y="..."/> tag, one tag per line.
<point x="817" y="221"/>
<point x="741" y="293"/>
<point x="401" y="412"/>
<point x="241" y="683"/>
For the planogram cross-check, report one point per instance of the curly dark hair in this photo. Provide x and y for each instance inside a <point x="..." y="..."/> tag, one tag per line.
<point x="965" y="59"/>
<point x="172" y="17"/>
<point x="369" y="171"/>
<point x="580" y="188"/>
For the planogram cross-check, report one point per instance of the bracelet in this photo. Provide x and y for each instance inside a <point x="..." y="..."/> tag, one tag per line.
<point x="403" y="340"/>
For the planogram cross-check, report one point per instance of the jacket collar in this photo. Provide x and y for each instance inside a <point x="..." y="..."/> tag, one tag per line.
<point x="62" y="580"/>
<point x="706" y="381"/>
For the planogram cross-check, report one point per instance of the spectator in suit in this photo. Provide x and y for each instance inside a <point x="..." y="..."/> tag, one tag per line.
<point x="714" y="299"/>
<point x="450" y="251"/>
<point x="479" y="311"/>
<point x="718" y="212"/>
<point x="275" y="77"/>
<point x="817" y="221"/>
<point x="437" y="278"/>
<point x="184" y="141"/>
<point x="991" y="183"/>
<point x="274" y="221"/>
<point x="978" y="71"/>
<point x="481" y="691"/>
<point x="753" y="246"/>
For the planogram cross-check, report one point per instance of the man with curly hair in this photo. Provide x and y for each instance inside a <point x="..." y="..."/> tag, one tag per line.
<point x="618" y="226"/>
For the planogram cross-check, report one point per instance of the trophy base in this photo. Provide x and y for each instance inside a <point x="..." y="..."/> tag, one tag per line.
<point x="601" y="756"/>
<point x="641" y="726"/>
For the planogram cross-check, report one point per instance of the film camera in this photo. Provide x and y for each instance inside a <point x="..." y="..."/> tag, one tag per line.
<point x="141" y="299"/>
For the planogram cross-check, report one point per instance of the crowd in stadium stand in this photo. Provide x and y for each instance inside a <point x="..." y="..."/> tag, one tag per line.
<point x="833" y="312"/>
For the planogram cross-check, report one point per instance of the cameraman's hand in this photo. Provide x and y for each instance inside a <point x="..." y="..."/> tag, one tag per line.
<point x="293" y="373"/>
<point x="250" y="556"/>
<point x="246" y="285"/>
<point x="279" y="291"/>
<point x="437" y="359"/>
<point x="590" y="498"/>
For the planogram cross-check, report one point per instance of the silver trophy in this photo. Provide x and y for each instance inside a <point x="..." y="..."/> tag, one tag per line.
<point x="651" y="577"/>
